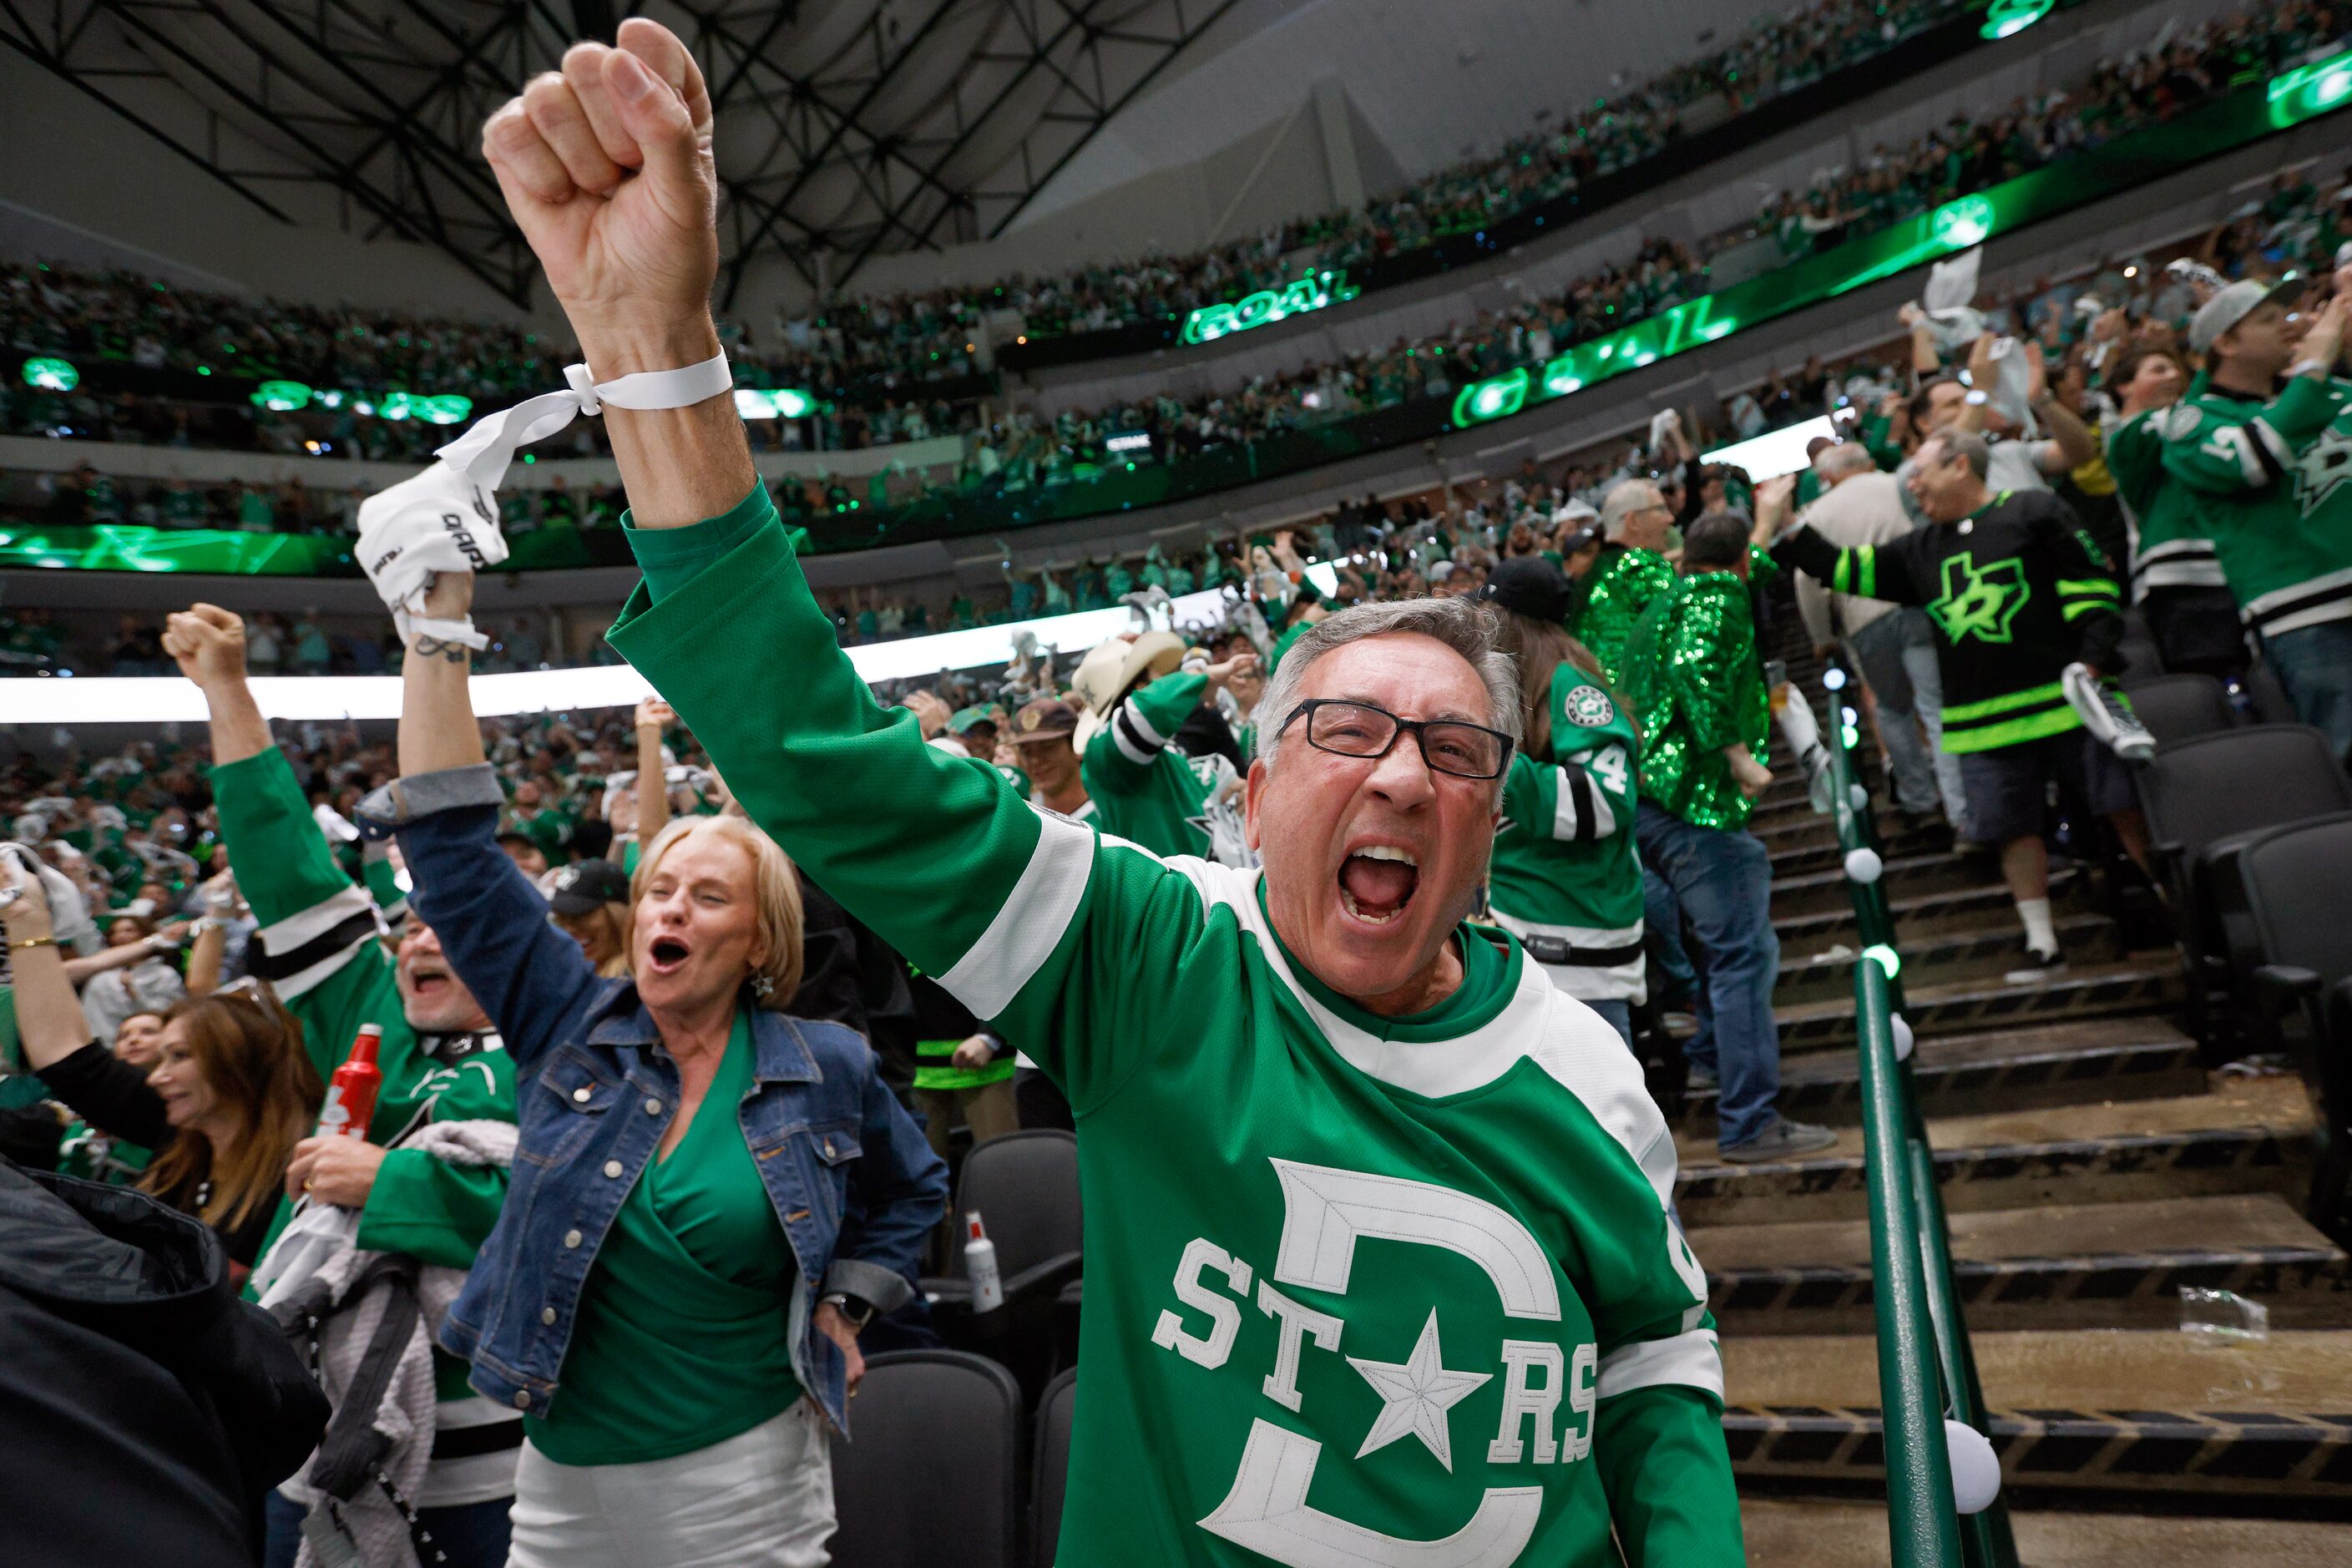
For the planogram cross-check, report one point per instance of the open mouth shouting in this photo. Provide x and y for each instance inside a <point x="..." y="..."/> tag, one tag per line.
<point x="1376" y="881"/>
<point x="667" y="955"/>
<point x="430" y="981"/>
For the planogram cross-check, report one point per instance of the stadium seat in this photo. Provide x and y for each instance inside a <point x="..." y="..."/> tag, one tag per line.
<point x="2143" y="661"/>
<point x="1056" y="1412"/>
<point x="931" y="1475"/>
<point x="1024" y="1187"/>
<point x="2179" y="707"/>
<point x="2294" y="880"/>
<point x="2205" y="797"/>
<point x="2272" y="704"/>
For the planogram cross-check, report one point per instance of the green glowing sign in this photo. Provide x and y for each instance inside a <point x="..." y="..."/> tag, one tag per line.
<point x="2314" y="88"/>
<point x="433" y="409"/>
<point x="783" y="402"/>
<point x="1314" y="292"/>
<point x="2003" y="17"/>
<point x="1498" y="399"/>
<point x="1959" y="224"/>
<point x="52" y="375"/>
<point x="281" y="396"/>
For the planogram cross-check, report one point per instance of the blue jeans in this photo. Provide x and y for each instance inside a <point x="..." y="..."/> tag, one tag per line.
<point x="1896" y="655"/>
<point x="472" y="1535"/>
<point x="1617" y="1013"/>
<point x="2315" y="665"/>
<point x="1723" y="880"/>
<point x="1672" y="979"/>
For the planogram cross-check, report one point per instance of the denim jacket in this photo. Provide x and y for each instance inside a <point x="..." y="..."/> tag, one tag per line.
<point x="856" y="1186"/>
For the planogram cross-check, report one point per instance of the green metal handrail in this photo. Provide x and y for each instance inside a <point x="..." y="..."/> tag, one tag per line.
<point x="1927" y="1368"/>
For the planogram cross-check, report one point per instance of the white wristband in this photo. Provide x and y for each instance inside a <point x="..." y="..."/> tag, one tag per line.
<point x="483" y="452"/>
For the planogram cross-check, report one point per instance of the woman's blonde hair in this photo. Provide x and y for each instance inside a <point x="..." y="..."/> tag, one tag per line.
<point x="617" y="922"/>
<point x="249" y="1049"/>
<point x="775" y="892"/>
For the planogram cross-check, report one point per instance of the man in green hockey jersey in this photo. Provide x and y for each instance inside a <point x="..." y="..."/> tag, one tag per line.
<point x="320" y="947"/>
<point x="1380" y="1267"/>
<point x="1631" y="574"/>
<point x="1139" y="693"/>
<point x="2175" y="573"/>
<point x="2264" y="445"/>
<point x="2018" y="593"/>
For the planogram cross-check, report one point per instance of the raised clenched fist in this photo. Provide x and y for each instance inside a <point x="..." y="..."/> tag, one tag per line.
<point x="607" y="166"/>
<point x="208" y="643"/>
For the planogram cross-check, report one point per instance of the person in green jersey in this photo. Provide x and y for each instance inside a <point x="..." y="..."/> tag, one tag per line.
<point x="1379" y="1265"/>
<point x="1697" y="688"/>
<point x="320" y="947"/>
<point x="1142" y="787"/>
<point x="1631" y="574"/>
<point x="1567" y="881"/>
<point x="2175" y="575"/>
<point x="2263" y="445"/>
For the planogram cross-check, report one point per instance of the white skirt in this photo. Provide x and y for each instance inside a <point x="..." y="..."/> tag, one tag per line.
<point x="762" y="1498"/>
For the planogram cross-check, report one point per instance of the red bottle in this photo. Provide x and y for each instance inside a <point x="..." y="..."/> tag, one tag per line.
<point x="351" y="1095"/>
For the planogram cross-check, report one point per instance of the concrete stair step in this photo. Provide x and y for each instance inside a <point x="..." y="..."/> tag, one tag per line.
<point x="1986" y="906"/>
<point x="2069" y="1063"/>
<point x="1813" y="889"/>
<point x="2136" y="983"/>
<point x="1786" y="1532"/>
<point x="1943" y="957"/>
<point x="2090" y="1414"/>
<point x="2246" y="1136"/>
<point x="2110" y="1266"/>
<point x="1814" y="848"/>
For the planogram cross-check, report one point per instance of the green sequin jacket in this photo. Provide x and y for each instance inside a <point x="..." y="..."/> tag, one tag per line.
<point x="1693" y="677"/>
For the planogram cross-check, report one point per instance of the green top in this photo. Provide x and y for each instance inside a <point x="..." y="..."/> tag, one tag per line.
<point x="1145" y="790"/>
<point x="681" y="1337"/>
<point x="1394" y="1291"/>
<point x="1692" y="675"/>
<point x="1624" y="584"/>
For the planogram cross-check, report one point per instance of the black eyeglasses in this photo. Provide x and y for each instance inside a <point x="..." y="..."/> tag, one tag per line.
<point x="1361" y="730"/>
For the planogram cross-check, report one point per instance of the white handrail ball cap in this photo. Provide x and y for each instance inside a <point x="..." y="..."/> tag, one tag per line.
<point x="1976" y="1472"/>
<point x="1863" y="865"/>
<point x="1904" y="1040"/>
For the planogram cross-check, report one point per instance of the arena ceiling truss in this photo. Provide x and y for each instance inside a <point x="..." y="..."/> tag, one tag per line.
<point x="846" y="130"/>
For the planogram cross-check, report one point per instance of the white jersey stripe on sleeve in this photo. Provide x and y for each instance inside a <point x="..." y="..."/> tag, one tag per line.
<point x="1129" y="734"/>
<point x="309" y="925"/>
<point x="1144" y="727"/>
<point x="1029" y="927"/>
<point x="1693" y="1359"/>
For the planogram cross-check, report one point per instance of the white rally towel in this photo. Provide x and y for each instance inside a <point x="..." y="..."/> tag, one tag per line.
<point x="1951" y="285"/>
<point x="445" y="519"/>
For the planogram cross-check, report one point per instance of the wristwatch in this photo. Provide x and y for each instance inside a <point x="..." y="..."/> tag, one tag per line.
<point x="855" y="1310"/>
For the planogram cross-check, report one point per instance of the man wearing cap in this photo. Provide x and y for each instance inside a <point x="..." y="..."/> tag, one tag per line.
<point x="976" y="728"/>
<point x="1381" y="1268"/>
<point x="1143" y="788"/>
<point x="1631" y="574"/>
<point x="1041" y="734"/>
<point x="2266" y="464"/>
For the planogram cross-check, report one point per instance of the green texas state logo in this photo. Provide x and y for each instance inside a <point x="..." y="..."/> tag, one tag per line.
<point x="1548" y="1392"/>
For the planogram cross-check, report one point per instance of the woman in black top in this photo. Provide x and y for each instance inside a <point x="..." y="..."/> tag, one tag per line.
<point x="229" y="1094"/>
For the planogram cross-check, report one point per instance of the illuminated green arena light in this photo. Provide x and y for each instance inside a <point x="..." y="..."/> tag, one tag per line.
<point x="281" y="396"/>
<point x="2004" y="18"/>
<point x="52" y="375"/>
<point x="783" y="403"/>
<point x="1886" y="957"/>
<point x="1960" y="222"/>
<point x="1315" y="291"/>
<point x="2314" y="88"/>
<point x="443" y="408"/>
<point x="1498" y="399"/>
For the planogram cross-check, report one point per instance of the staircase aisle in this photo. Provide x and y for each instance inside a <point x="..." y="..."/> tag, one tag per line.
<point x="2092" y="1167"/>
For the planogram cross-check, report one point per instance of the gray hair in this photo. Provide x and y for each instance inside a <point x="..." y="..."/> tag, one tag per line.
<point x="1465" y="626"/>
<point x="1968" y="445"/>
<point x="1623" y="501"/>
<point x="1845" y="457"/>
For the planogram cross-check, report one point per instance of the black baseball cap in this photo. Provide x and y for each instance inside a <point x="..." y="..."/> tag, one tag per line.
<point x="579" y="888"/>
<point x="1527" y="585"/>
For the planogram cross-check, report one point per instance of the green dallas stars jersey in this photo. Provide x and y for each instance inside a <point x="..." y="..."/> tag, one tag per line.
<point x="2168" y="547"/>
<point x="1566" y="878"/>
<point x="2016" y="591"/>
<point x="1144" y="789"/>
<point x="2268" y="484"/>
<point x="1360" y="1291"/>
<point x="320" y="949"/>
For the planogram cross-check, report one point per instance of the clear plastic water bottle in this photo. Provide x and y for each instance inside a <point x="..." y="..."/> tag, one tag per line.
<point x="980" y="1266"/>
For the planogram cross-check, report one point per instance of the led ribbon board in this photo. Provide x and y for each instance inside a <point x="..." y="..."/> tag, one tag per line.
<point x="1315" y="291"/>
<point x="2289" y="98"/>
<point x="2005" y="18"/>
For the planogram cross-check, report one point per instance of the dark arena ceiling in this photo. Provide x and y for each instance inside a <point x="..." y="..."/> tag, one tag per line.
<point x="845" y="128"/>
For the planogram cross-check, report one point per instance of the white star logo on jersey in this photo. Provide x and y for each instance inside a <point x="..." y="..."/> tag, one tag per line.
<point x="1589" y="706"/>
<point x="2321" y="469"/>
<point x="1417" y="1395"/>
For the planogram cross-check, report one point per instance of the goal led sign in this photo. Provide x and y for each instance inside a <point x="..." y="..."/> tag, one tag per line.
<point x="1315" y="291"/>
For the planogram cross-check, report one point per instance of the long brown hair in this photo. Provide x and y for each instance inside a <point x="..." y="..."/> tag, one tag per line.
<point x="1539" y="648"/>
<point x="249" y="1049"/>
